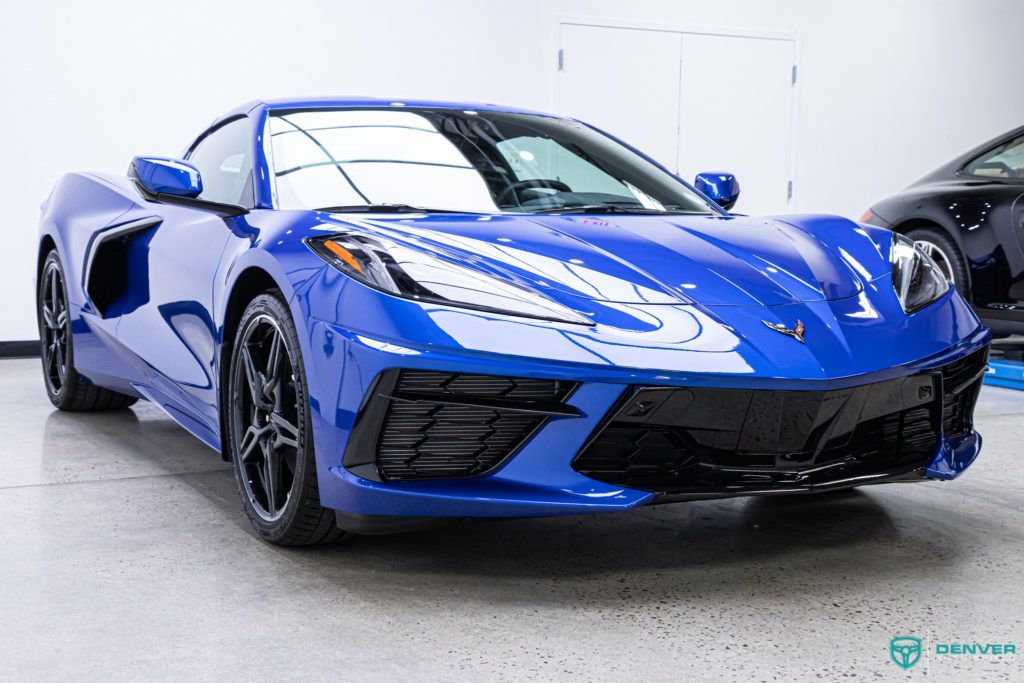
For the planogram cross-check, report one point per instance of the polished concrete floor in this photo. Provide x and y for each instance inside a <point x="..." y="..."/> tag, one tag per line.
<point x="124" y="554"/>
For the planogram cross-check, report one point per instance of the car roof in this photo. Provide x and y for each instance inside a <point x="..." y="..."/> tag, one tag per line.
<point x="343" y="101"/>
<point x="952" y="167"/>
<point x="358" y="101"/>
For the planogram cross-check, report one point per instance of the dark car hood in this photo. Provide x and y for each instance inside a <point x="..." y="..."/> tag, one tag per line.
<point x="710" y="260"/>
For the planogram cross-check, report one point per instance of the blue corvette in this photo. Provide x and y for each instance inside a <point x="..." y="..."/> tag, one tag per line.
<point x="385" y="313"/>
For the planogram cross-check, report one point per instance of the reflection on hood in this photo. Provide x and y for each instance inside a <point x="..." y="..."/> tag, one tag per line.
<point x="709" y="260"/>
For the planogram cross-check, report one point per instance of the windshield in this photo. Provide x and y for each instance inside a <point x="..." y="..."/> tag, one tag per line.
<point x="463" y="161"/>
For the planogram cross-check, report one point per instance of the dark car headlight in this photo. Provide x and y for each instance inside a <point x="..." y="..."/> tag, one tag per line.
<point x="420" y="275"/>
<point x="915" y="276"/>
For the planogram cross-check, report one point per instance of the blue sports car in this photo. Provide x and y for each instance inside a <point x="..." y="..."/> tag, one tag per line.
<point x="390" y="313"/>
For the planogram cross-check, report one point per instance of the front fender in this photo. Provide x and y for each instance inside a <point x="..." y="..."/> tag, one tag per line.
<point x="864" y="247"/>
<point x="260" y="244"/>
<point x="263" y="242"/>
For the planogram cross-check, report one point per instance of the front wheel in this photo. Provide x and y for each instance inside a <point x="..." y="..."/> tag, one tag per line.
<point x="944" y="251"/>
<point x="269" y="433"/>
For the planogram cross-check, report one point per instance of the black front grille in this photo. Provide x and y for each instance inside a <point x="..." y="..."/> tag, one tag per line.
<point x="486" y="386"/>
<point x="961" y="381"/>
<point x="422" y="441"/>
<point x="432" y="425"/>
<point x="730" y="441"/>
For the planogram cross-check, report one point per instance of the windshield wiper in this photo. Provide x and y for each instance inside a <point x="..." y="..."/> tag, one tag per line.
<point x="599" y="208"/>
<point x="384" y="208"/>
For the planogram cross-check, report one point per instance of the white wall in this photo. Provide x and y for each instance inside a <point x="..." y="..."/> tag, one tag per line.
<point x="888" y="88"/>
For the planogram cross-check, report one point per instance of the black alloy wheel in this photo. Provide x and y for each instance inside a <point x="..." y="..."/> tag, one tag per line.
<point x="54" y="327"/>
<point x="66" y="389"/>
<point x="266" y="404"/>
<point x="268" y="420"/>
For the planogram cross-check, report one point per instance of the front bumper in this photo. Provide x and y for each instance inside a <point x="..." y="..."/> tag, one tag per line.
<point x="540" y="479"/>
<point x="699" y="443"/>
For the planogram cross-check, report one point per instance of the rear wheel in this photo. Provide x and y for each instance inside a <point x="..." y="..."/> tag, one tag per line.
<point x="270" y="437"/>
<point x="944" y="251"/>
<point x="64" y="386"/>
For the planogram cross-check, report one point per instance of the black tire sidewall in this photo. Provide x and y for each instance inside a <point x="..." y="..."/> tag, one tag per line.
<point x="59" y="398"/>
<point x="952" y="251"/>
<point x="305" y="463"/>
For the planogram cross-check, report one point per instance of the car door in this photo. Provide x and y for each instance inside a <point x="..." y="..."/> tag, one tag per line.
<point x="1002" y="168"/>
<point x="173" y="332"/>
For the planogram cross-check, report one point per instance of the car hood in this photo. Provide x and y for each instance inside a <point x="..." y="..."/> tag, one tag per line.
<point x="634" y="259"/>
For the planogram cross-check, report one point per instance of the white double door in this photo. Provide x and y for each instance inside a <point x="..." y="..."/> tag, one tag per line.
<point x="693" y="101"/>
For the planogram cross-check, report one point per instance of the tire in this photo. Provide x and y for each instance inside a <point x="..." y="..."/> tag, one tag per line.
<point x="66" y="389"/>
<point x="946" y="254"/>
<point x="269" y="433"/>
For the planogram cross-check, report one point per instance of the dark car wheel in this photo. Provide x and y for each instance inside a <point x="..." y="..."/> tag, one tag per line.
<point x="64" y="386"/>
<point x="269" y="432"/>
<point x="945" y="253"/>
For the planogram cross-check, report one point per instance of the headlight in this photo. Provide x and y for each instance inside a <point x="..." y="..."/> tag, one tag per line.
<point x="915" y="277"/>
<point x="415" y="274"/>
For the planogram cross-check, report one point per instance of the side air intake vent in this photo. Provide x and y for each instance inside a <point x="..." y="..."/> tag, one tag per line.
<point x="436" y="425"/>
<point x="109" y="276"/>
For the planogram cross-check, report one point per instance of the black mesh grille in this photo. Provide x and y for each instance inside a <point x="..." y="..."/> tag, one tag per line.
<point x="444" y="425"/>
<point x="704" y="440"/>
<point x="961" y="382"/>
<point x="487" y="386"/>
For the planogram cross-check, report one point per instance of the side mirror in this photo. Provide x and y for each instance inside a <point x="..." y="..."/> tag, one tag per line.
<point x="723" y="188"/>
<point x="160" y="175"/>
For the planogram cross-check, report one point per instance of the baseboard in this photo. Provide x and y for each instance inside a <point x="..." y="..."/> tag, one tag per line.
<point x="19" y="349"/>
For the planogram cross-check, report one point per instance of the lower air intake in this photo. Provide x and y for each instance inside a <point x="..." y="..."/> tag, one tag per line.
<point x="705" y="441"/>
<point x="961" y="381"/>
<point x="437" y="425"/>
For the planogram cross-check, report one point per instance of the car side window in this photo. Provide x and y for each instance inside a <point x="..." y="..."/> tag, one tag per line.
<point x="1005" y="161"/>
<point x="224" y="160"/>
